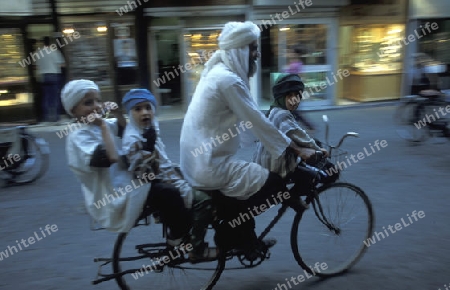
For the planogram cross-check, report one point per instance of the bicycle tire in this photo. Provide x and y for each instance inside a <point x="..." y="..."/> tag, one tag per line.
<point x="401" y="113"/>
<point x="407" y="116"/>
<point x="20" y="176"/>
<point x="312" y="220"/>
<point x="128" y="284"/>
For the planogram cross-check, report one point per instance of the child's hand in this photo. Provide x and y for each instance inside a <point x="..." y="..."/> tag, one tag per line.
<point x="98" y="120"/>
<point x="110" y="106"/>
<point x="150" y="135"/>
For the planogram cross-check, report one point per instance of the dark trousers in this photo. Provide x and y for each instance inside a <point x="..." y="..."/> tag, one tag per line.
<point x="232" y="234"/>
<point x="165" y="198"/>
<point x="50" y="102"/>
<point x="304" y="179"/>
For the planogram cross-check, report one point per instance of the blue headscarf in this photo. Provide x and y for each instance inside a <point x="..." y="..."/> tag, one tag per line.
<point x="136" y="96"/>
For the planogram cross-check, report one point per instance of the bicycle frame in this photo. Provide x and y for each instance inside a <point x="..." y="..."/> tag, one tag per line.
<point x="157" y="249"/>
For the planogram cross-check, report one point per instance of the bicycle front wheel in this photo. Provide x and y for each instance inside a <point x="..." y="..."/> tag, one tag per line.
<point x="150" y="264"/>
<point x="331" y="234"/>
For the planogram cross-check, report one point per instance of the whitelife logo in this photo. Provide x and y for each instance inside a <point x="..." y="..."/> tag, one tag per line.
<point x="397" y="226"/>
<point x="48" y="49"/>
<point x="31" y="240"/>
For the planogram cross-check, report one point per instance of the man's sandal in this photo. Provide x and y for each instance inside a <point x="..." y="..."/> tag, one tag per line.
<point x="209" y="254"/>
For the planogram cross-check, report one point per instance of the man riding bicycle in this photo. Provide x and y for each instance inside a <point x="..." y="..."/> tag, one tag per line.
<point x="211" y="136"/>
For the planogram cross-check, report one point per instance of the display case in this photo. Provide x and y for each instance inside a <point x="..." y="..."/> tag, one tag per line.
<point x="14" y="82"/>
<point x="375" y="62"/>
<point x="377" y="48"/>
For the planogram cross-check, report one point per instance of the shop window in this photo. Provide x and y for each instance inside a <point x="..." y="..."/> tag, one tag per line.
<point x="437" y="43"/>
<point x="433" y="53"/>
<point x="200" y="45"/>
<point x="373" y="55"/>
<point x="14" y="86"/>
<point x="377" y="48"/>
<point x="88" y="54"/>
<point x="295" y="48"/>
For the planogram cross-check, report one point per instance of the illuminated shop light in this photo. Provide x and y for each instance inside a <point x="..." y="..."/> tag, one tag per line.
<point x="102" y="29"/>
<point x="68" y="30"/>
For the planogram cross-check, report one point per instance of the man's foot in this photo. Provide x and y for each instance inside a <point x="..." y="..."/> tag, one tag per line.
<point x="298" y="204"/>
<point x="260" y="249"/>
<point x="269" y="242"/>
<point x="209" y="254"/>
<point x="174" y="242"/>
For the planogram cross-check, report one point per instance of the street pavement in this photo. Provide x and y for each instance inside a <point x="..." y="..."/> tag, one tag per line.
<point x="398" y="179"/>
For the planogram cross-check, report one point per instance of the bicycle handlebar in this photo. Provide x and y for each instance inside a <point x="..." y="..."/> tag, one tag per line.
<point x="348" y="134"/>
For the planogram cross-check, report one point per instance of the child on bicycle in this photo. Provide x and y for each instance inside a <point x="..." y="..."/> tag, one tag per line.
<point x="287" y="93"/>
<point x="146" y="154"/>
<point x="94" y="155"/>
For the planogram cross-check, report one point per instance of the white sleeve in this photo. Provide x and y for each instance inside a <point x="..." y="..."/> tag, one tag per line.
<point x="240" y="102"/>
<point x="80" y="147"/>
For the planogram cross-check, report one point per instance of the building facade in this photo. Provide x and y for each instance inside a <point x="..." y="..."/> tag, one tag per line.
<point x="349" y="52"/>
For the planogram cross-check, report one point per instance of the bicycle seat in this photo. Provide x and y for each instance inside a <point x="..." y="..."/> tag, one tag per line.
<point x="430" y="94"/>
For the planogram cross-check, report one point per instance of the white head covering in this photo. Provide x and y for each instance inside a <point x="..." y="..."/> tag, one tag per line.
<point x="74" y="91"/>
<point x="234" y="52"/>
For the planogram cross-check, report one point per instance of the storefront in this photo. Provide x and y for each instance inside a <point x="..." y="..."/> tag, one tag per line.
<point x="298" y="38"/>
<point x="432" y="21"/>
<point x="372" y="49"/>
<point x="96" y="45"/>
<point x="21" y="28"/>
<point x="180" y="41"/>
<point x="105" y="52"/>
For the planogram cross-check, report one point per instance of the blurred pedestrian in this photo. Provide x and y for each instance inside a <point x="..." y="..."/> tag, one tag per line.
<point x="49" y="66"/>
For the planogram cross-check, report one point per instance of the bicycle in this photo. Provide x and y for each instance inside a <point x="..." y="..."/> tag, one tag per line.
<point x="418" y="118"/>
<point x="24" y="158"/>
<point x="326" y="223"/>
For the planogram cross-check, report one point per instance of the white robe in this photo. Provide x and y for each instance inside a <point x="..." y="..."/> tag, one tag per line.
<point x="122" y="209"/>
<point x="221" y="101"/>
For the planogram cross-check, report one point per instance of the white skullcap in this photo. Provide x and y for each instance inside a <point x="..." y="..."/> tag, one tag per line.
<point x="74" y="91"/>
<point x="238" y="34"/>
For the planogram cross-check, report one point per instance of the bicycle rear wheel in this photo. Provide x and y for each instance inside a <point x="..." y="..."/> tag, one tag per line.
<point x="339" y="242"/>
<point x="142" y="248"/>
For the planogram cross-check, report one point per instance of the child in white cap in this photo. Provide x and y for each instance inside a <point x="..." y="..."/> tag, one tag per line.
<point x="94" y="153"/>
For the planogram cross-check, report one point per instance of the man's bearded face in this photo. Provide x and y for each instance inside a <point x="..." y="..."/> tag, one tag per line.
<point x="253" y="58"/>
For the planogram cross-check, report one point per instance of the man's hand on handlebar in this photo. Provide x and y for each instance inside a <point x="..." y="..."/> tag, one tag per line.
<point x="324" y="152"/>
<point x="309" y="154"/>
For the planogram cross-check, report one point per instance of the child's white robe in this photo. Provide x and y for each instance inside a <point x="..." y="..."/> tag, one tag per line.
<point x="123" y="196"/>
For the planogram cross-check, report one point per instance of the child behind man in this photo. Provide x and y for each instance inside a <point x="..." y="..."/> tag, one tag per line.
<point x="94" y="155"/>
<point x="146" y="154"/>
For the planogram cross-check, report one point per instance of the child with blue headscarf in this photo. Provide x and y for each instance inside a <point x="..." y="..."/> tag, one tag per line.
<point x="145" y="155"/>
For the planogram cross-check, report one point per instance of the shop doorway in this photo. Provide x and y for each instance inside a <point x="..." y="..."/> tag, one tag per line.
<point x="166" y="76"/>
